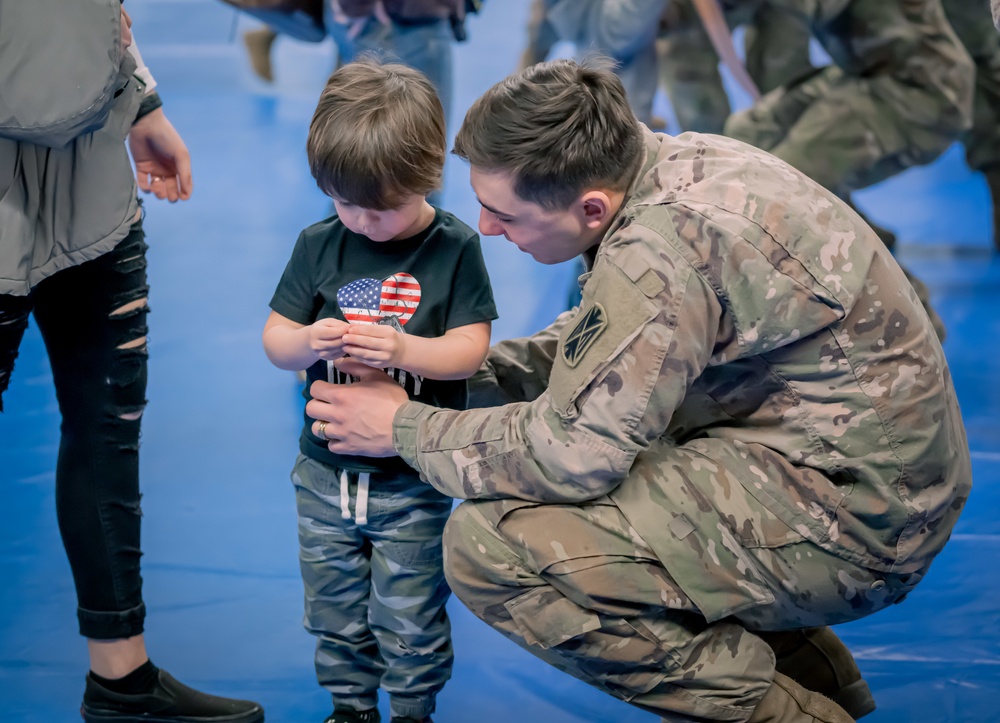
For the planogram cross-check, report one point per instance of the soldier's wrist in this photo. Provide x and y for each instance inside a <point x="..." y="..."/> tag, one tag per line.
<point x="405" y="427"/>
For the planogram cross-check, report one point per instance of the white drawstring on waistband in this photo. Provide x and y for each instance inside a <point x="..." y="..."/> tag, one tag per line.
<point x="361" y="511"/>
<point x="345" y="498"/>
<point x="361" y="508"/>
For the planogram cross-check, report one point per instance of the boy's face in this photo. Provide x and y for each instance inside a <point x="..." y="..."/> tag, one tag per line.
<point x="551" y="237"/>
<point x="407" y="219"/>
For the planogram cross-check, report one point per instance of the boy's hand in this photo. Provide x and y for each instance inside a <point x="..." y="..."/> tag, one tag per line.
<point x="326" y="338"/>
<point x="377" y="345"/>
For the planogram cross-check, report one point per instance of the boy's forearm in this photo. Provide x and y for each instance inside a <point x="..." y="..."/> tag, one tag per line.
<point x="289" y="348"/>
<point x="443" y="357"/>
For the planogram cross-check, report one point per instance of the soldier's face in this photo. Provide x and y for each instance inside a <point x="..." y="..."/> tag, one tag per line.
<point x="551" y="237"/>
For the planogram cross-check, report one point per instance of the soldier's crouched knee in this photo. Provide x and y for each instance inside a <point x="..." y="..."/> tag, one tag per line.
<point x="478" y="564"/>
<point x="452" y="551"/>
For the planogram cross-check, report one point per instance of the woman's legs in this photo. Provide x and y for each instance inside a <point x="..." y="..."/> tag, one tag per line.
<point x="93" y="320"/>
<point x="14" y="311"/>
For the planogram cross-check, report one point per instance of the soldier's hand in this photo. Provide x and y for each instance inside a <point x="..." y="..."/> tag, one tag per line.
<point x="357" y="418"/>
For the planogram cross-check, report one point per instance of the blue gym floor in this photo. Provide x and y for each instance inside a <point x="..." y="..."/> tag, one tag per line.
<point x="219" y="435"/>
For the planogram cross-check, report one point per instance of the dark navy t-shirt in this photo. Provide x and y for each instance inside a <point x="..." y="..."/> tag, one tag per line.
<point x="426" y="284"/>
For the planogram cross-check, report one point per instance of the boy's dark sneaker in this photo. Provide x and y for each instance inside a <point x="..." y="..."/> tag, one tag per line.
<point x="349" y="715"/>
<point x="407" y="719"/>
<point x="169" y="702"/>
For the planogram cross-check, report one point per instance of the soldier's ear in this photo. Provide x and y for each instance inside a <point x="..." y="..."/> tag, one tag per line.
<point x="595" y="208"/>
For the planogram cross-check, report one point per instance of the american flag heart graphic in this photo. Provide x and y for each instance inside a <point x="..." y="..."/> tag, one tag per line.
<point x="367" y="301"/>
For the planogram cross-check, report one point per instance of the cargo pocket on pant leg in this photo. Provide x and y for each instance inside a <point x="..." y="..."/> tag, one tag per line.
<point x="622" y="657"/>
<point x="545" y="618"/>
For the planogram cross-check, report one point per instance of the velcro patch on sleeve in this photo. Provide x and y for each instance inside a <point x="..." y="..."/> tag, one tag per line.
<point x="613" y="312"/>
<point x="591" y="325"/>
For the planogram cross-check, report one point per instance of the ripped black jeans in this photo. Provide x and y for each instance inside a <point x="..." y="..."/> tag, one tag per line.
<point x="93" y="320"/>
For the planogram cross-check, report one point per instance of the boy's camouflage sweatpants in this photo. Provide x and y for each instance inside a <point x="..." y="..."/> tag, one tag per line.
<point x="375" y="593"/>
<point x="577" y="586"/>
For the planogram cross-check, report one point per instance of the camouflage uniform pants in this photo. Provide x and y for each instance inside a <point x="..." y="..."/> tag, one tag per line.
<point x="689" y="71"/>
<point x="577" y="586"/>
<point x="839" y="130"/>
<point x="970" y="20"/>
<point x="777" y="52"/>
<point x="541" y="36"/>
<point x="375" y="593"/>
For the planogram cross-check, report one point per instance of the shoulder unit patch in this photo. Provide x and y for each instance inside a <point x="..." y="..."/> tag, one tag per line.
<point x="591" y="325"/>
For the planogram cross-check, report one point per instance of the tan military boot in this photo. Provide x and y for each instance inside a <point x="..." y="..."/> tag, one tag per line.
<point x="819" y="661"/>
<point x="258" y="44"/>
<point x="788" y="702"/>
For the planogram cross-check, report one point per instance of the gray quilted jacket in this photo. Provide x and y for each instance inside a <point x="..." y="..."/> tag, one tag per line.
<point x="67" y="102"/>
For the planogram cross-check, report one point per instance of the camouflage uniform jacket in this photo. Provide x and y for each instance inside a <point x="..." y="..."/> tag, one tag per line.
<point x="732" y="302"/>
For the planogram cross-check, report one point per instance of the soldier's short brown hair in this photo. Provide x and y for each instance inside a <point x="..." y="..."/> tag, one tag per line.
<point x="557" y="128"/>
<point x="378" y="135"/>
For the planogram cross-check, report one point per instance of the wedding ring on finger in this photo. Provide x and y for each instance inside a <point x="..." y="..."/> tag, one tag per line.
<point x="321" y="430"/>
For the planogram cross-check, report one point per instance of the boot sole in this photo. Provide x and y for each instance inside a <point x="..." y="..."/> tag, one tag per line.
<point x="856" y="699"/>
<point x="101" y="717"/>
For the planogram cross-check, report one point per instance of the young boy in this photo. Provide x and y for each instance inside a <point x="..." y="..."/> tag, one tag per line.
<point x="397" y="284"/>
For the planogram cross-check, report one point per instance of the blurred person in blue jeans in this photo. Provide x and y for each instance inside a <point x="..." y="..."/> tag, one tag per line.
<point x="417" y="33"/>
